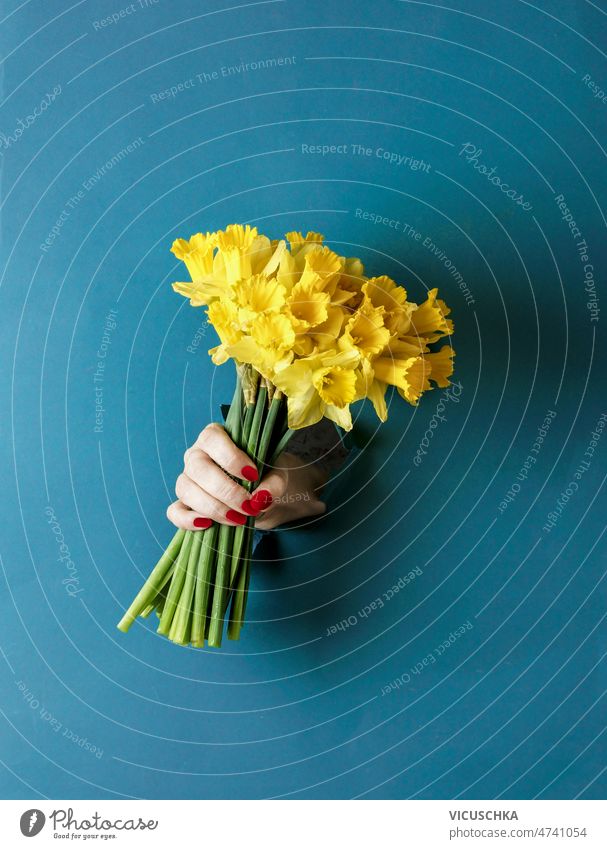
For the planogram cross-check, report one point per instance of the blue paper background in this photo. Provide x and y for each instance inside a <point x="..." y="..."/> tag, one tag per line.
<point x="514" y="707"/>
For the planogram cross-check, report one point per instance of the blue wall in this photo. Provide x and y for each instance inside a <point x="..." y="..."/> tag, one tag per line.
<point x="483" y="675"/>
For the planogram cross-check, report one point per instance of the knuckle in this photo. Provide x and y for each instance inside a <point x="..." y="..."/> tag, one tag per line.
<point x="217" y="515"/>
<point x="208" y="433"/>
<point x="228" y="491"/>
<point x="189" y="464"/>
<point x="180" y="485"/>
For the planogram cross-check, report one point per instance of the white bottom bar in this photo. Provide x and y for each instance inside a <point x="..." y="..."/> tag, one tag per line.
<point x="305" y="824"/>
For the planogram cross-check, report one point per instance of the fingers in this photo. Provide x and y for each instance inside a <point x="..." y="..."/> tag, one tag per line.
<point x="281" y="513"/>
<point x="204" y="504"/>
<point x="183" y="517"/>
<point x="200" y="468"/>
<point x="215" y="442"/>
<point x="271" y="488"/>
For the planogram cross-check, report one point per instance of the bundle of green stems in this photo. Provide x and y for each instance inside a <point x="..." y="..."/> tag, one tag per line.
<point x="202" y="578"/>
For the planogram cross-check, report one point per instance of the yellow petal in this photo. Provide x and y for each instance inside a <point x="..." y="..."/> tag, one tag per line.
<point x="383" y="292"/>
<point x="336" y="386"/>
<point x="307" y="306"/>
<point x="274" y="332"/>
<point x="297" y="240"/>
<point x="376" y="393"/>
<point x="223" y="315"/>
<point x="321" y="264"/>
<point x="219" y="355"/>
<point x="258" y="294"/>
<point x="340" y="415"/>
<point x="441" y="364"/>
<point x="365" y="330"/>
<point x="304" y="409"/>
<point x="326" y="333"/>
<point x="288" y="274"/>
<point x="294" y="378"/>
<point x="409" y="376"/>
<point x="405" y="347"/>
<point x="237" y="236"/>
<point x="199" y="293"/>
<point x="429" y="319"/>
<point x="274" y="260"/>
<point x="197" y="254"/>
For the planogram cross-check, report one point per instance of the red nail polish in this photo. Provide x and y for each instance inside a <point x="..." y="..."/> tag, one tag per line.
<point x="233" y="516"/>
<point x="249" y="473"/>
<point x="202" y="523"/>
<point x="261" y="499"/>
<point x="249" y="508"/>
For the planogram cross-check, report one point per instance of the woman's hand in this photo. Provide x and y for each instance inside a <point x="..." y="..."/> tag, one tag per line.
<point x="208" y="493"/>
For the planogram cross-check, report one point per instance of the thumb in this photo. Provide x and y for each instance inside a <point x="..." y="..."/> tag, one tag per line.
<point x="270" y="491"/>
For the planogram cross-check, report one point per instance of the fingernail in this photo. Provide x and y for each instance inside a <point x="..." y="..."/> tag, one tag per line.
<point x="261" y="499"/>
<point x="233" y="516"/>
<point x="249" y="473"/>
<point x="249" y="508"/>
<point x="202" y="523"/>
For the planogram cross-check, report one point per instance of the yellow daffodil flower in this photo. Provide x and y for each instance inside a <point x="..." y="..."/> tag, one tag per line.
<point x="320" y="385"/>
<point x="430" y="318"/>
<point x="441" y="364"/>
<point x="410" y="376"/>
<point x="269" y="346"/>
<point x="365" y="330"/>
<point x="307" y="306"/>
<point x="257" y="295"/>
<point x="311" y="323"/>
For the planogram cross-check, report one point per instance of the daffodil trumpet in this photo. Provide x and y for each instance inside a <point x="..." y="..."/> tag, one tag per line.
<point x="310" y="335"/>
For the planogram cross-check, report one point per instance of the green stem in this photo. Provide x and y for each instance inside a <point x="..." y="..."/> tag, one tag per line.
<point x="246" y="426"/>
<point x="260" y="408"/>
<point x="281" y="446"/>
<point x="222" y="584"/>
<point x="184" y="608"/>
<point x="203" y="583"/>
<point x="254" y="438"/>
<point x="177" y="582"/>
<point x="269" y="425"/>
<point x="240" y="595"/>
<point x="233" y="422"/>
<point x="161" y="591"/>
<point x="239" y="532"/>
<point x="151" y="587"/>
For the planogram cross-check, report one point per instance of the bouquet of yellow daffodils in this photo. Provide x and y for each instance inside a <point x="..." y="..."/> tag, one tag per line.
<point x="309" y="334"/>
